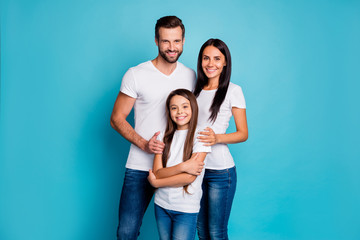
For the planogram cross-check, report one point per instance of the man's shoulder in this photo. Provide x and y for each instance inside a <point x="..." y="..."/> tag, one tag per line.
<point x="142" y="66"/>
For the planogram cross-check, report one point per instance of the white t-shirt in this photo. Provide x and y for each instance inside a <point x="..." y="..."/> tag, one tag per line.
<point x="151" y="87"/>
<point x="220" y="157"/>
<point x="175" y="198"/>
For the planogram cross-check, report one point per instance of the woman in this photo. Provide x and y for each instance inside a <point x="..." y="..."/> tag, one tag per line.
<point x="218" y="100"/>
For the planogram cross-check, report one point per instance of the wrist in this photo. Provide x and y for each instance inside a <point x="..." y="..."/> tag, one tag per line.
<point x="183" y="167"/>
<point x="217" y="138"/>
<point x="143" y="144"/>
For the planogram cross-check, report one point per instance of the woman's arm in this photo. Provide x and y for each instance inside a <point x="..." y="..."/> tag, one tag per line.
<point x="177" y="180"/>
<point x="240" y="135"/>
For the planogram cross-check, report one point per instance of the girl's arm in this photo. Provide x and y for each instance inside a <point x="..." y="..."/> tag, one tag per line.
<point x="192" y="166"/>
<point x="177" y="180"/>
<point x="241" y="134"/>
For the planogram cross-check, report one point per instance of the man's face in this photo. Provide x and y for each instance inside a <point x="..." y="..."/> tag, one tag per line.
<point x="170" y="43"/>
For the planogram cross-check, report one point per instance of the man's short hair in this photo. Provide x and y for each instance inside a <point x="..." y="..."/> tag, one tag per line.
<point x="169" y="22"/>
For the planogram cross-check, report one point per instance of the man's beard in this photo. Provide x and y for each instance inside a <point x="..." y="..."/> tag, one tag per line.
<point x="169" y="60"/>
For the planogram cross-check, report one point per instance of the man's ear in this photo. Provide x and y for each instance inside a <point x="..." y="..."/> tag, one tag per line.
<point x="156" y="41"/>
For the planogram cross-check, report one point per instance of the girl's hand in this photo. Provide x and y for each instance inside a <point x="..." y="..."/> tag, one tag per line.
<point x="209" y="137"/>
<point x="194" y="165"/>
<point x="152" y="178"/>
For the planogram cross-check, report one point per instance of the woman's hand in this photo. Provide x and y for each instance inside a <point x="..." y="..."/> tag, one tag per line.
<point x="208" y="137"/>
<point x="152" y="179"/>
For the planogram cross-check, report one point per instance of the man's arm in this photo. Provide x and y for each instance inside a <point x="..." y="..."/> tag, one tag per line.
<point x="121" y="110"/>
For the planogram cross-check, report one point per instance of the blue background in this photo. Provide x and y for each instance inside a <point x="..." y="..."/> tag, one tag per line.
<point x="62" y="165"/>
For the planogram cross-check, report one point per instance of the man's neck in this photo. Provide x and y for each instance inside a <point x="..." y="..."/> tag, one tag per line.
<point x="164" y="66"/>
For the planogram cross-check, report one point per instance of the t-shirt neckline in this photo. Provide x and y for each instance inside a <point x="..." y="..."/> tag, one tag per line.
<point x="168" y="76"/>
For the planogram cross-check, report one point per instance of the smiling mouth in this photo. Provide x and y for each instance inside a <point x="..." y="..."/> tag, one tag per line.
<point x="180" y="118"/>
<point x="210" y="70"/>
<point x="172" y="54"/>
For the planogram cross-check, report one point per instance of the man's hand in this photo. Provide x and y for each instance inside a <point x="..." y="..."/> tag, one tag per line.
<point x="194" y="165"/>
<point x="152" y="178"/>
<point x="154" y="146"/>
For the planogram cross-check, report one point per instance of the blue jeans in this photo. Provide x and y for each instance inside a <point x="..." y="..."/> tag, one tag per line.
<point x="173" y="225"/>
<point x="135" y="197"/>
<point x="218" y="193"/>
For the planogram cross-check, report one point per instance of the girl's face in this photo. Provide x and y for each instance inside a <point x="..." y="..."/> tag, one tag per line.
<point x="213" y="62"/>
<point x="180" y="111"/>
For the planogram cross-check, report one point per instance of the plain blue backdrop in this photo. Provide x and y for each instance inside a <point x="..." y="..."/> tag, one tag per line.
<point x="62" y="62"/>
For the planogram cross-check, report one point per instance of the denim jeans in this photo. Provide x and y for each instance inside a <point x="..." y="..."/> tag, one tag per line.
<point x="218" y="193"/>
<point x="135" y="197"/>
<point x="173" y="225"/>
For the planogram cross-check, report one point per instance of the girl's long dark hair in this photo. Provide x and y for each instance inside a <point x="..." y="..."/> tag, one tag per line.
<point x="224" y="80"/>
<point x="171" y="127"/>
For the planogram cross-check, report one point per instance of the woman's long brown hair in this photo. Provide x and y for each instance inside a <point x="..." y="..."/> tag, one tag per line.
<point x="171" y="127"/>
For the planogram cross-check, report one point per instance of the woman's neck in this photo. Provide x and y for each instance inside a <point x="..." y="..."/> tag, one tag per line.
<point x="212" y="84"/>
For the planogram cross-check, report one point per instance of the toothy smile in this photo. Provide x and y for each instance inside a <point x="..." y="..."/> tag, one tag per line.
<point x="181" y="118"/>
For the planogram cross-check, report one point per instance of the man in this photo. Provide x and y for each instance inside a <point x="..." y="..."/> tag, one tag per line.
<point x="146" y="87"/>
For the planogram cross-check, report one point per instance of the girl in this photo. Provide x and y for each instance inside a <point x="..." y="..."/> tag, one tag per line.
<point x="218" y="100"/>
<point x="177" y="201"/>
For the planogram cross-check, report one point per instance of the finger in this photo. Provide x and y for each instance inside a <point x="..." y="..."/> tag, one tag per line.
<point x="209" y="129"/>
<point x="204" y="133"/>
<point x="155" y="135"/>
<point x="157" y="147"/>
<point x="160" y="144"/>
<point x="203" y="137"/>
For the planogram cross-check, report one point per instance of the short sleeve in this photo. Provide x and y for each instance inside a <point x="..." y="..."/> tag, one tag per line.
<point x="160" y="136"/>
<point x="199" y="146"/>
<point x="237" y="98"/>
<point x="128" y="85"/>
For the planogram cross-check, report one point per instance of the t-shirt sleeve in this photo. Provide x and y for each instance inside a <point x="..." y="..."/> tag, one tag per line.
<point x="128" y="85"/>
<point x="161" y="136"/>
<point x="237" y="98"/>
<point x="199" y="146"/>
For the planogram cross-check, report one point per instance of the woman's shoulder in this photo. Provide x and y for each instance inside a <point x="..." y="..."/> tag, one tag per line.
<point x="234" y="87"/>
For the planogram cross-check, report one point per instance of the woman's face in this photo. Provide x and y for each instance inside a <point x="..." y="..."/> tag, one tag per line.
<point x="180" y="111"/>
<point x="213" y="62"/>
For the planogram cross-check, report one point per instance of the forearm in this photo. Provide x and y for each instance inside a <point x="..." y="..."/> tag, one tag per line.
<point x="128" y="132"/>
<point x="169" y="171"/>
<point x="178" y="180"/>
<point x="230" y="138"/>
